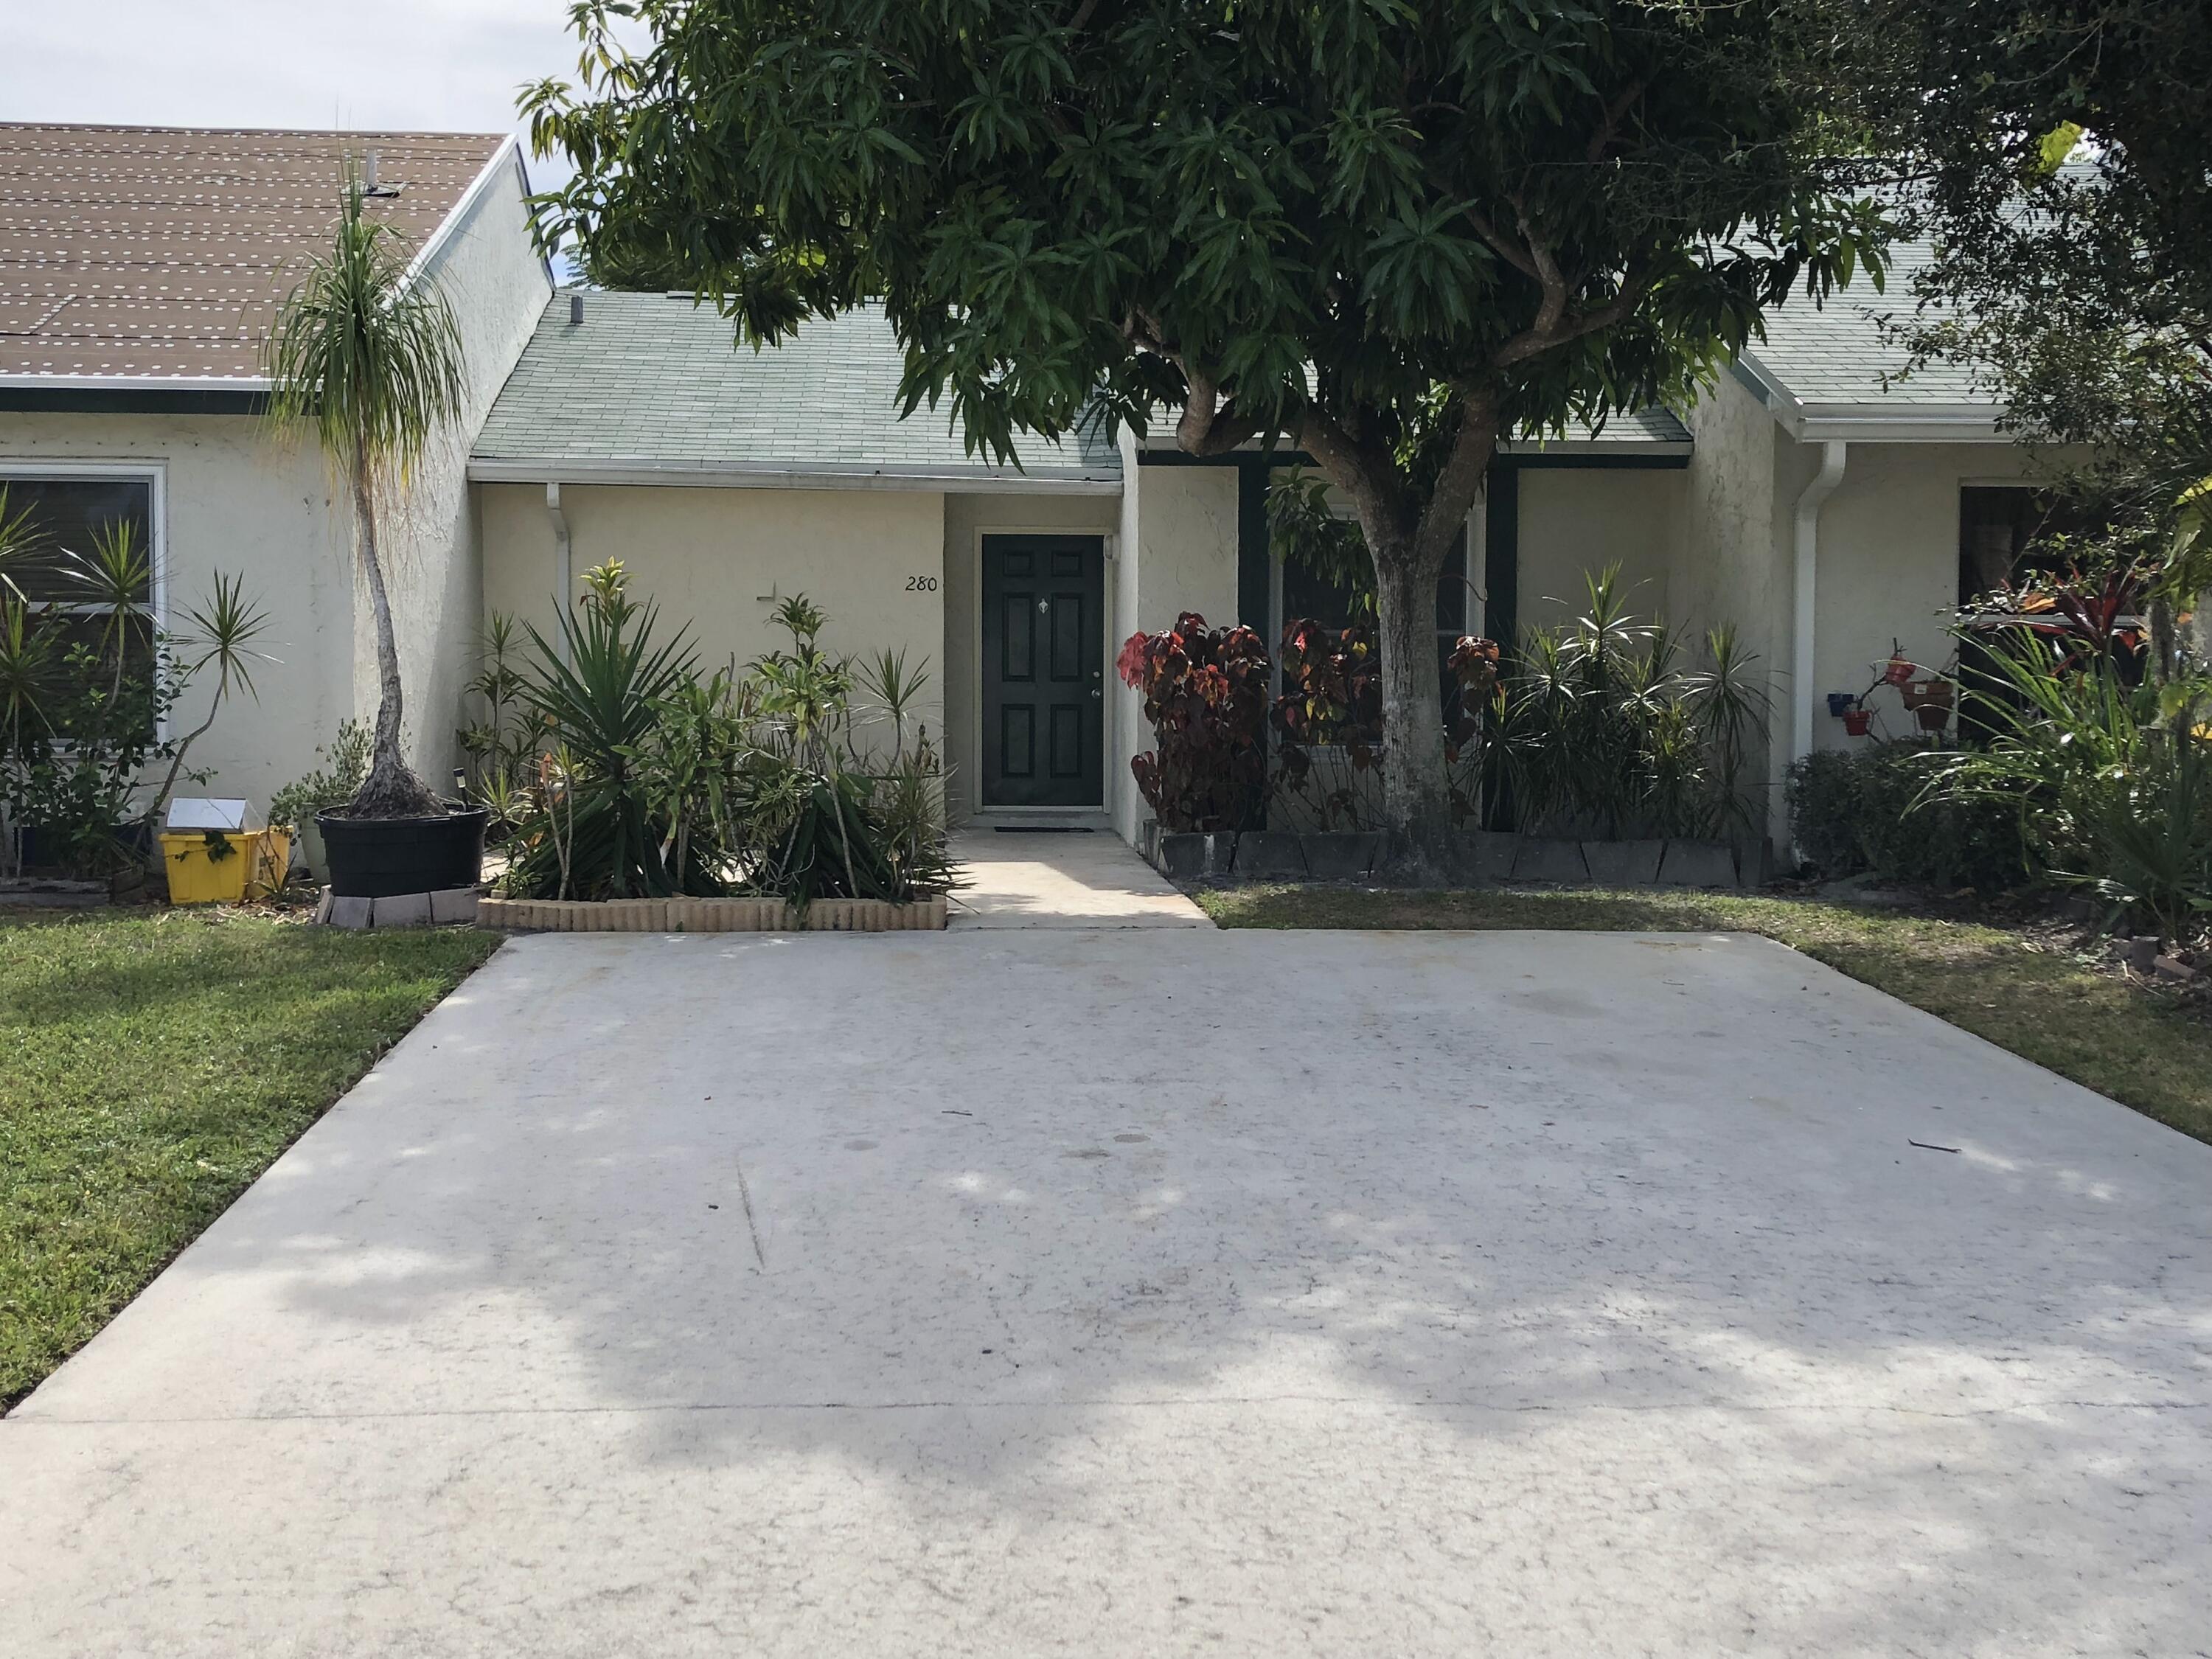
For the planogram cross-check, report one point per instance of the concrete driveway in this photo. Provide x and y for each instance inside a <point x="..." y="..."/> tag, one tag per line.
<point x="1155" y="1292"/>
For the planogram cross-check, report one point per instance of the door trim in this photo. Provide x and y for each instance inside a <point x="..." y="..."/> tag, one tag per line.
<point x="976" y="806"/>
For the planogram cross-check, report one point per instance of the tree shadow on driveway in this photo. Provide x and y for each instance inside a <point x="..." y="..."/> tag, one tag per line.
<point x="1540" y="1289"/>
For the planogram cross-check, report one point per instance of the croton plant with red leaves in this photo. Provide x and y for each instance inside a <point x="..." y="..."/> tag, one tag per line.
<point x="1332" y="698"/>
<point x="1206" y="694"/>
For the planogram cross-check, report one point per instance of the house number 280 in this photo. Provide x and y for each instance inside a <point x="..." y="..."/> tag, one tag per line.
<point x="922" y="584"/>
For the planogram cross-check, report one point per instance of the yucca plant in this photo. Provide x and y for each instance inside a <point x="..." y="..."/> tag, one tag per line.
<point x="600" y="695"/>
<point x="115" y="576"/>
<point x="896" y="689"/>
<point x="366" y="355"/>
<point x="1604" y="731"/>
<point x="227" y="627"/>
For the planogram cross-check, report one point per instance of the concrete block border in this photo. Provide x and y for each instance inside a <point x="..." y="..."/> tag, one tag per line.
<point x="455" y="905"/>
<point x="709" y="915"/>
<point x="1261" y="855"/>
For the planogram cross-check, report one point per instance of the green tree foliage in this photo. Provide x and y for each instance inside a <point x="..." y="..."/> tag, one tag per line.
<point x="1384" y="234"/>
<point x="2084" y="290"/>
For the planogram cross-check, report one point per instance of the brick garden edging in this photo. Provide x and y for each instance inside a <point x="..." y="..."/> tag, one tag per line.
<point x="709" y="915"/>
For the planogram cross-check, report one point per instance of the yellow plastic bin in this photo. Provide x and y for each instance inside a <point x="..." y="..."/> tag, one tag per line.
<point x="221" y="866"/>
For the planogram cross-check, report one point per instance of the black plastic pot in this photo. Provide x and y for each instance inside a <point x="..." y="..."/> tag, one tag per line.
<point x="384" y="858"/>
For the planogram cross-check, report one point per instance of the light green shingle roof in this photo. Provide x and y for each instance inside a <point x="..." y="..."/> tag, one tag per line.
<point x="651" y="384"/>
<point x="1654" y="425"/>
<point x="1835" y="354"/>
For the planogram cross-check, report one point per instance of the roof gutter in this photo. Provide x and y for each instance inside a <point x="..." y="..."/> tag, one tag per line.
<point x="1802" y="594"/>
<point x="1878" y="421"/>
<point x="790" y="476"/>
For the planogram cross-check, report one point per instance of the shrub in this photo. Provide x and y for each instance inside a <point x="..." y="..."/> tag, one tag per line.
<point x="332" y="784"/>
<point x="2110" y="781"/>
<point x="654" y="782"/>
<point x="88" y="685"/>
<point x="1604" y="732"/>
<point x="1206" y="694"/>
<point x="1878" y="809"/>
<point x="1332" y="700"/>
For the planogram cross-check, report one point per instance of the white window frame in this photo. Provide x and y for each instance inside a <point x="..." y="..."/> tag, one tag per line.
<point x="155" y="475"/>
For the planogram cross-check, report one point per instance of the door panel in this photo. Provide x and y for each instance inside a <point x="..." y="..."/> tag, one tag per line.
<point x="1043" y="667"/>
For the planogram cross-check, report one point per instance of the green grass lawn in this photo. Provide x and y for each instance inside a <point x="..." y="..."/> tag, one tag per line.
<point x="2136" y="1045"/>
<point x="151" y="1067"/>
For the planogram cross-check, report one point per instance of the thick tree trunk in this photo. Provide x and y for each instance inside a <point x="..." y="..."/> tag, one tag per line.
<point x="1408" y="539"/>
<point x="392" y="790"/>
<point x="1414" y="793"/>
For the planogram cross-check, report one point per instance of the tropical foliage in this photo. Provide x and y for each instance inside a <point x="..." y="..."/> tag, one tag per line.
<point x="365" y="353"/>
<point x="1205" y="694"/>
<point x="650" y="781"/>
<point x="2110" y="776"/>
<point x="1328" y="724"/>
<point x="90" y="691"/>
<point x="1605" y="730"/>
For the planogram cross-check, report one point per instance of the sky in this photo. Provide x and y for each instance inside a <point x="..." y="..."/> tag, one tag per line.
<point x="423" y="65"/>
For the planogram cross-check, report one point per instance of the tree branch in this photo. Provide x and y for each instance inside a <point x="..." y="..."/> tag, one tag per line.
<point x="1366" y="474"/>
<point x="1547" y="274"/>
<point x="1209" y="425"/>
<point x="1500" y="243"/>
<point x="1537" y="340"/>
<point x="1460" y="481"/>
<point x="1615" y="112"/>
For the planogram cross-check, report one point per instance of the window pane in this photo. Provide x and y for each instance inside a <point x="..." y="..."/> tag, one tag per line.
<point x="65" y="513"/>
<point x="1998" y="525"/>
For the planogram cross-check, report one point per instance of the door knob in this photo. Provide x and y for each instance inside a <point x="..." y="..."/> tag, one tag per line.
<point x="1096" y="692"/>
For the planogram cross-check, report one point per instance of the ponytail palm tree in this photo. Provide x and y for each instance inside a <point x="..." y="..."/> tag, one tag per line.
<point x="369" y="358"/>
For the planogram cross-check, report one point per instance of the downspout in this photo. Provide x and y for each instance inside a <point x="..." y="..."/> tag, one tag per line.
<point x="564" y="570"/>
<point x="1803" y="596"/>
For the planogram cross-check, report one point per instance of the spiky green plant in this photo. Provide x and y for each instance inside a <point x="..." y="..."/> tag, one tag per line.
<point x="115" y="576"/>
<point x="226" y="627"/>
<point x="20" y="538"/>
<point x="367" y="356"/>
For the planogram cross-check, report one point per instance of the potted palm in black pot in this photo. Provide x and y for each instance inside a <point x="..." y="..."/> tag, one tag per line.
<point x="370" y="359"/>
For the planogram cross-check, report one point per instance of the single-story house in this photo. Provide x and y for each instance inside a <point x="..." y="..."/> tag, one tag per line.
<point x="1830" y="513"/>
<point x="139" y="268"/>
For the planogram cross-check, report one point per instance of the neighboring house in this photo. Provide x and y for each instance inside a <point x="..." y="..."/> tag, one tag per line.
<point x="139" y="268"/>
<point x="1829" y="514"/>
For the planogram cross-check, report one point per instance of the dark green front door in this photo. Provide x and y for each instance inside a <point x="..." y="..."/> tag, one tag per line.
<point x="1044" y="670"/>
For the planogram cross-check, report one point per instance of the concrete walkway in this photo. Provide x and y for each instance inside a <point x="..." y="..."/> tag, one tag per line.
<point x="1031" y="879"/>
<point x="1094" y="1292"/>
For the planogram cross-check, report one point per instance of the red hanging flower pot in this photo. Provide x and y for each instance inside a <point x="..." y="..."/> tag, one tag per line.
<point x="1858" y="721"/>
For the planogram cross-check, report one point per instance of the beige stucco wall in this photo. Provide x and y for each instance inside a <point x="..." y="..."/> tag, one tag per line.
<point x="1181" y="522"/>
<point x="1730" y="561"/>
<point x="1575" y="522"/>
<point x="715" y="562"/>
<point x="234" y="502"/>
<point x="966" y="519"/>
<point x="1888" y="567"/>
<point x="497" y="286"/>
